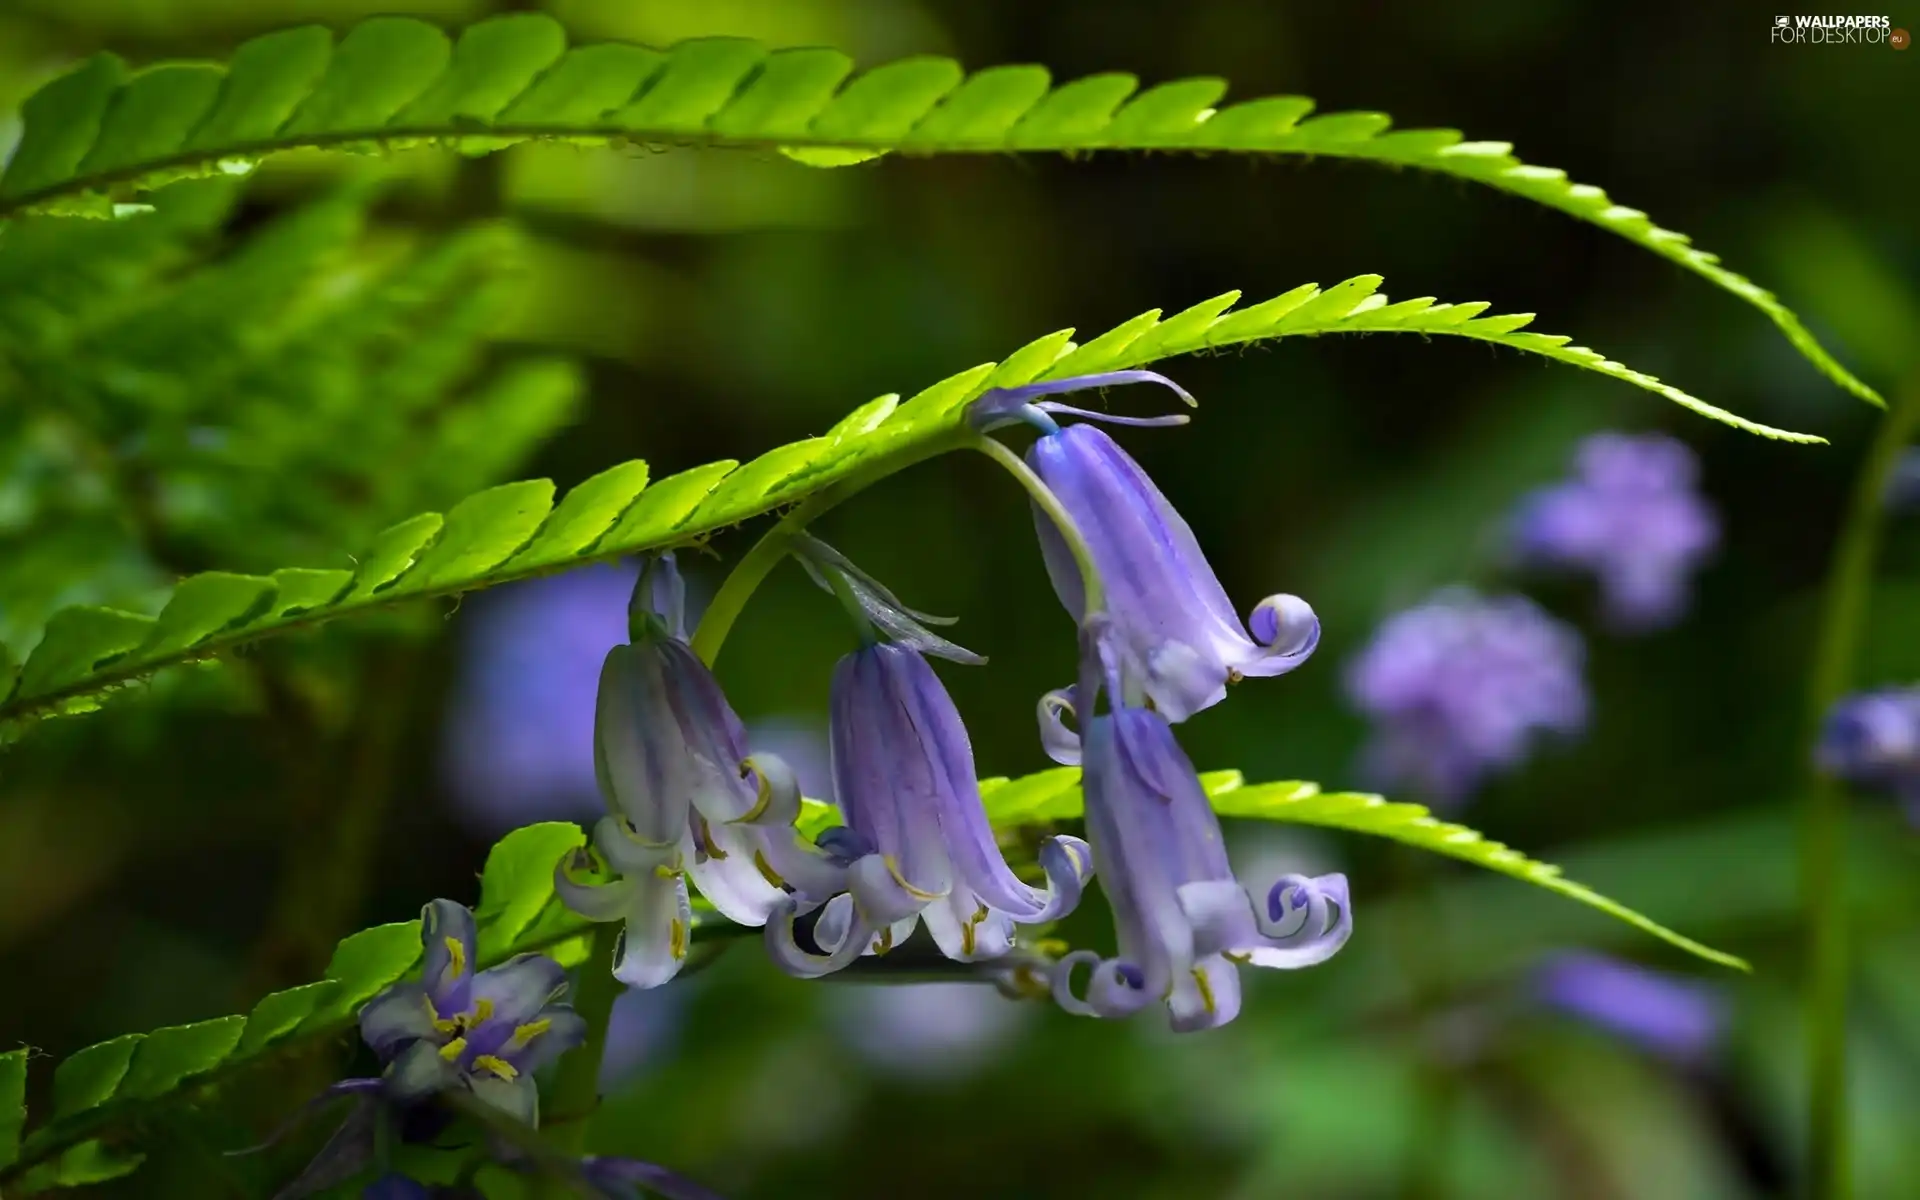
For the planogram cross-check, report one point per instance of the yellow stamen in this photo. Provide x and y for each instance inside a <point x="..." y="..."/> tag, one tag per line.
<point x="766" y="869"/>
<point x="677" y="938"/>
<point x="499" y="1066"/>
<point x="523" y="1035"/>
<point x="893" y="869"/>
<point x="453" y="1049"/>
<point x="967" y="938"/>
<point x="457" y="957"/>
<point x="706" y="839"/>
<point x="1243" y="957"/>
<point x="1206" y="989"/>
<point x="979" y="915"/>
<point x="884" y="942"/>
<point x="763" y="796"/>
<point x="666" y="872"/>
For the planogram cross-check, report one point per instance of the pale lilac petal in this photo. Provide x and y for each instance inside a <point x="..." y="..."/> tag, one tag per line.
<point x="1060" y="742"/>
<point x="419" y="1072"/>
<point x="596" y="901"/>
<point x="786" y="952"/>
<point x="447" y="939"/>
<point x="659" y="925"/>
<point x="519" y="988"/>
<point x="399" y="1015"/>
<point x="519" y="1098"/>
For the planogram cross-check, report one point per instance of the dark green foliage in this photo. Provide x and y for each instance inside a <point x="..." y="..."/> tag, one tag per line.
<point x="100" y="132"/>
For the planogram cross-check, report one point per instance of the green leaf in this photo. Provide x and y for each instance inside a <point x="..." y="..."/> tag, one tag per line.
<point x="90" y="1077"/>
<point x="1055" y="796"/>
<point x="395" y="80"/>
<point x="480" y="544"/>
<point x="169" y="1056"/>
<point x="364" y="964"/>
<point x="81" y="1164"/>
<point x="518" y="879"/>
<point x="13" y="1104"/>
<point x="280" y="1013"/>
<point x="481" y="532"/>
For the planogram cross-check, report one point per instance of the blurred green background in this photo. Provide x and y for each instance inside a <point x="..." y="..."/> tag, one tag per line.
<point x="550" y="311"/>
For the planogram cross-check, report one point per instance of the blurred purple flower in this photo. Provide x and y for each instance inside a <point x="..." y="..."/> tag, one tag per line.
<point x="1872" y="740"/>
<point x="1663" y="1014"/>
<point x="518" y="740"/>
<point x="1460" y="686"/>
<point x="1903" y="483"/>
<point x="928" y="1030"/>
<point x="1633" y="517"/>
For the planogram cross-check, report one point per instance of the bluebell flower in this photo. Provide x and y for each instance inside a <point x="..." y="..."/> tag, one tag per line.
<point x="1662" y="1014"/>
<point x="1177" y="636"/>
<point x="1633" y="517"/>
<point x="1461" y="686"/>
<point x="686" y="796"/>
<point x="1872" y="740"/>
<point x="916" y="845"/>
<point x="1183" y="920"/>
<point x="486" y="1032"/>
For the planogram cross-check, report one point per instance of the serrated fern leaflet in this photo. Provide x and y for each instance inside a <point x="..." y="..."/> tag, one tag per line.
<point x="516" y="530"/>
<point x="110" y="1086"/>
<point x="102" y="132"/>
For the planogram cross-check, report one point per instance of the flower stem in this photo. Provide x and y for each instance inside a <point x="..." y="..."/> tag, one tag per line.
<point x="750" y="572"/>
<point x="1094" y="597"/>
<point x="1824" y="832"/>
<point x="576" y="1086"/>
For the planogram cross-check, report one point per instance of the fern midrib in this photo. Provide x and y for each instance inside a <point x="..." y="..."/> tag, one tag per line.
<point x="108" y="677"/>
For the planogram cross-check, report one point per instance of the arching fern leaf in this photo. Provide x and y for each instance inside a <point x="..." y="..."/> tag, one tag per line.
<point x="103" y="133"/>
<point x="105" y="1090"/>
<point x="516" y="530"/>
<point x="1055" y="796"/>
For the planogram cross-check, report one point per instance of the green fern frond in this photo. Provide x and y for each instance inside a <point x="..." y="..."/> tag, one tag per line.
<point x="515" y="531"/>
<point x="111" y="1086"/>
<point x="1055" y="796"/>
<point x="102" y="132"/>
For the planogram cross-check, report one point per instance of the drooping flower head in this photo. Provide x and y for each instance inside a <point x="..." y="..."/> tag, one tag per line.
<point x="1461" y="686"/>
<point x="1872" y="740"/>
<point x="1183" y="920"/>
<point x="1632" y="516"/>
<point x="685" y="794"/>
<point x="1674" y="1018"/>
<point x="486" y="1032"/>
<point x="916" y="844"/>
<point x="1177" y="636"/>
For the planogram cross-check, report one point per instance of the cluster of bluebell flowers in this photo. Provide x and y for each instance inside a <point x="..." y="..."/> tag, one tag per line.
<point x="1159" y="641"/>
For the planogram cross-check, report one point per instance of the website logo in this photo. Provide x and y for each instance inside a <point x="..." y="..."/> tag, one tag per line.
<point x="1811" y="30"/>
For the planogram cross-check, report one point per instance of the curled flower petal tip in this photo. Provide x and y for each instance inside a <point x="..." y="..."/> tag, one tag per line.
<point x="998" y="407"/>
